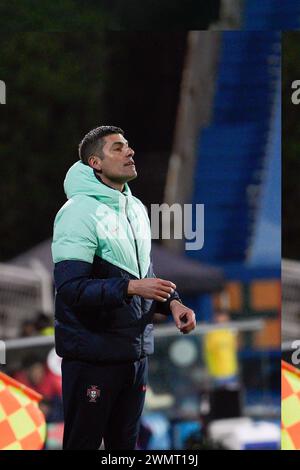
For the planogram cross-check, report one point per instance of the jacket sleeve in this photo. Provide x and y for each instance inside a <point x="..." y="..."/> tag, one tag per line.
<point x="77" y="289"/>
<point x="163" y="307"/>
<point x="73" y="249"/>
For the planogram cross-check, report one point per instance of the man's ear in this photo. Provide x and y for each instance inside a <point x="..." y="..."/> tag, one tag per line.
<point x="95" y="162"/>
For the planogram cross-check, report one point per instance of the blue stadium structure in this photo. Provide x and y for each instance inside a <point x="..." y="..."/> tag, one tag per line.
<point x="271" y="15"/>
<point x="232" y="153"/>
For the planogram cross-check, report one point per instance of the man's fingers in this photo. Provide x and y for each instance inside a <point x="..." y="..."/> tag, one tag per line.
<point x="187" y="315"/>
<point x="185" y="332"/>
<point x="169" y="290"/>
<point x="160" y="299"/>
<point x="190" y="324"/>
<point x="188" y="321"/>
<point x="167" y="283"/>
<point x="165" y="293"/>
<point x="188" y="328"/>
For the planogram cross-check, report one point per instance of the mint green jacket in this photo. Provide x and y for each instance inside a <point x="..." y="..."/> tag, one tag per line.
<point x="99" y="220"/>
<point x="101" y="241"/>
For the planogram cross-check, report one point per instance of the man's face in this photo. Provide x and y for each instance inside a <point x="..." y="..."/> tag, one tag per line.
<point x="221" y="317"/>
<point x="117" y="164"/>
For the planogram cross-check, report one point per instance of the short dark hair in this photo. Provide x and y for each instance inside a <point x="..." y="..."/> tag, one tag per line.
<point x="92" y="142"/>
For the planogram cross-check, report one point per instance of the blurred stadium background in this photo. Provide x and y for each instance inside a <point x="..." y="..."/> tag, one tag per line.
<point x="290" y="247"/>
<point x="290" y="196"/>
<point x="202" y="110"/>
<point x="158" y="15"/>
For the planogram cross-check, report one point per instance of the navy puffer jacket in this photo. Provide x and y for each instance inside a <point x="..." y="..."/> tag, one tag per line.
<point x="101" y="241"/>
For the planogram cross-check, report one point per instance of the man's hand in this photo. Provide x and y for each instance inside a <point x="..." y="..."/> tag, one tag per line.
<point x="184" y="317"/>
<point x="152" y="288"/>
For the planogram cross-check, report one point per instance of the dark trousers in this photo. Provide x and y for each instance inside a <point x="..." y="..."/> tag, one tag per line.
<point x="103" y="401"/>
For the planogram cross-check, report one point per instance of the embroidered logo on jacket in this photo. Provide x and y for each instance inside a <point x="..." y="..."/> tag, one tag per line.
<point x="93" y="393"/>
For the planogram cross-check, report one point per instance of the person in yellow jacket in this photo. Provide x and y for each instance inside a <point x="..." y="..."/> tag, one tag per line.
<point x="220" y="352"/>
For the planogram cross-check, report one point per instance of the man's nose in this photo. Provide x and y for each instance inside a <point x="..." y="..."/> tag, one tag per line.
<point x="130" y="152"/>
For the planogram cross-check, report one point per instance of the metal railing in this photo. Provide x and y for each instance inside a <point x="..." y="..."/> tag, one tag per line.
<point x="23" y="292"/>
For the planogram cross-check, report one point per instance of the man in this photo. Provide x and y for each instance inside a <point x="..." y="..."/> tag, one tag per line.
<point x="221" y="351"/>
<point x="221" y="358"/>
<point x="106" y="295"/>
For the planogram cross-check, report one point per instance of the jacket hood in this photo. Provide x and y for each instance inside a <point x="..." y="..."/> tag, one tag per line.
<point x="102" y="221"/>
<point x="81" y="180"/>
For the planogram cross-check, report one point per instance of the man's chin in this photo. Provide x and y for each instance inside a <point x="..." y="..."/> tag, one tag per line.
<point x="124" y="178"/>
<point x="130" y="177"/>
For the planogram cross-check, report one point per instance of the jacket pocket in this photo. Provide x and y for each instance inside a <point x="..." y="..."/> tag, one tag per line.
<point x="148" y="339"/>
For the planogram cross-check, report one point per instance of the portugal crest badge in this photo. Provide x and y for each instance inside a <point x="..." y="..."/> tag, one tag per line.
<point x="93" y="393"/>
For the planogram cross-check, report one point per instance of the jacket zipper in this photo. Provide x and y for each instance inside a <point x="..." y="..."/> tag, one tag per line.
<point x="139" y="267"/>
<point x="135" y="243"/>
